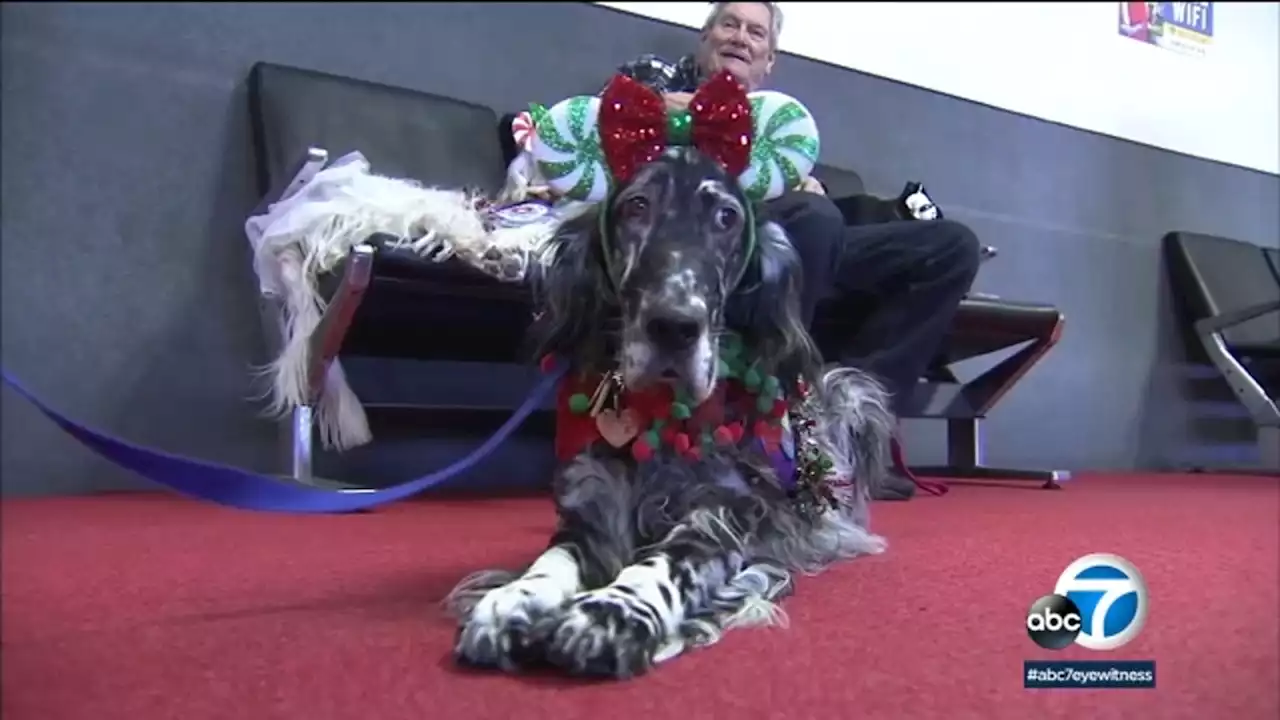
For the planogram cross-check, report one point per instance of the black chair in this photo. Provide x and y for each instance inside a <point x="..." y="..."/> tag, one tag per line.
<point x="300" y="121"/>
<point x="302" y="118"/>
<point x="1228" y="294"/>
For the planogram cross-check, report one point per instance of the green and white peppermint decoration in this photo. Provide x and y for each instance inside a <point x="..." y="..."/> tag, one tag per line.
<point x="785" y="147"/>
<point x="566" y="148"/>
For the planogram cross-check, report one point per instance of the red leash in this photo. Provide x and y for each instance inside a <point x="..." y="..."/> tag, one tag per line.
<point x="900" y="463"/>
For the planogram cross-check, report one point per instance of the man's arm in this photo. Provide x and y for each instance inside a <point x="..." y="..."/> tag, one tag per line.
<point x="648" y="69"/>
<point x="661" y="76"/>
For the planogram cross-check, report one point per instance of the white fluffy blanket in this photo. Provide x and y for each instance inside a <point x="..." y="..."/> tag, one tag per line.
<point x="310" y="232"/>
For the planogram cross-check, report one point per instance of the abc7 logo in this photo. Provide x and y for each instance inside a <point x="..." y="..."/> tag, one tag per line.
<point x="1116" y="599"/>
<point x="1053" y="622"/>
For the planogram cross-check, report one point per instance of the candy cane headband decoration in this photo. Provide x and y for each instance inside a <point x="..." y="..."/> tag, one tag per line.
<point x="585" y="146"/>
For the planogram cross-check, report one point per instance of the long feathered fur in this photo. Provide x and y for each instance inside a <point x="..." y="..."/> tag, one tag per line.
<point x="650" y="559"/>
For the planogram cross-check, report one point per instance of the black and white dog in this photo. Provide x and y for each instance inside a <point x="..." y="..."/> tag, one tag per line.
<point x="657" y="553"/>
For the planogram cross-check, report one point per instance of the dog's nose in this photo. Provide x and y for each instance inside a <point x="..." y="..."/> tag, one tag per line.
<point x="673" y="331"/>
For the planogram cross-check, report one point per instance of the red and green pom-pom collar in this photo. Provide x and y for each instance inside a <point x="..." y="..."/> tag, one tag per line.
<point x="745" y="400"/>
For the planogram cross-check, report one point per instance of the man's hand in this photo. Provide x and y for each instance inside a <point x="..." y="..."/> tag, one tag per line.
<point x="540" y="192"/>
<point x="677" y="101"/>
<point x="811" y="185"/>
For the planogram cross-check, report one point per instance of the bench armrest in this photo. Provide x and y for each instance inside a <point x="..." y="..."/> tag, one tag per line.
<point x="1218" y="323"/>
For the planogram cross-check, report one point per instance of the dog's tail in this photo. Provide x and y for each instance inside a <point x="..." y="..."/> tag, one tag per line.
<point x="855" y="424"/>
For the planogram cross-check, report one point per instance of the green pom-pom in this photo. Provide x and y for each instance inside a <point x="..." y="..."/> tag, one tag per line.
<point x="722" y="369"/>
<point x="681" y="411"/>
<point x="770" y="386"/>
<point x="764" y="403"/>
<point x="679" y="127"/>
<point x="659" y="423"/>
<point x="752" y="379"/>
<point x="654" y="440"/>
<point x="579" y="403"/>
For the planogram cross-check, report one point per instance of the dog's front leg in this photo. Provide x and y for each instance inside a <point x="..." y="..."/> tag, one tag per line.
<point x="494" y="632"/>
<point x="618" y="630"/>
<point x="587" y="550"/>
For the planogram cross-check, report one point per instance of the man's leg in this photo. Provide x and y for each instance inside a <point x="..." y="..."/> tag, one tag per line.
<point x="917" y="272"/>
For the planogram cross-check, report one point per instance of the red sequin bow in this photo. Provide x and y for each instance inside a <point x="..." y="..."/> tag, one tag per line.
<point x="635" y="128"/>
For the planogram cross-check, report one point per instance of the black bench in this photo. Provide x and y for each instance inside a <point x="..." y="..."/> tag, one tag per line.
<point x="302" y="118"/>
<point x="1228" y="294"/>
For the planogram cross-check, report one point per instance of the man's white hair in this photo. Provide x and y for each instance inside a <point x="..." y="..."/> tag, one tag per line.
<point x="775" y="14"/>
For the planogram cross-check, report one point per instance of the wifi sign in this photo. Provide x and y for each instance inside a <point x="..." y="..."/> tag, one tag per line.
<point x="1099" y="602"/>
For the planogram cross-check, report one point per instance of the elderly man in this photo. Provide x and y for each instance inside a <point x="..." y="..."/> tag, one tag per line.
<point x="917" y="271"/>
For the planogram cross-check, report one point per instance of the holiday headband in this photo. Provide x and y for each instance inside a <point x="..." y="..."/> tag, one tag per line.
<point x="586" y="146"/>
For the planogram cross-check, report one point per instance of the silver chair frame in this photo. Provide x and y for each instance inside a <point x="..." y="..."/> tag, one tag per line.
<point x="326" y="340"/>
<point x="1252" y="395"/>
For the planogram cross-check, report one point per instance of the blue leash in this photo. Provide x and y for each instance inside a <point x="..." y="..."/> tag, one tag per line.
<point x="233" y="487"/>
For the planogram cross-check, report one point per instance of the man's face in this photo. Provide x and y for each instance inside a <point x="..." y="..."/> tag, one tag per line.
<point x="739" y="41"/>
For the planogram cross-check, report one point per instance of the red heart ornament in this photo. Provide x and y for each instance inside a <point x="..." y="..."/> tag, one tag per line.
<point x="616" y="428"/>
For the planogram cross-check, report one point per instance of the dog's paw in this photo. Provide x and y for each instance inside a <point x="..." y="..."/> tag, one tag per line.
<point x="604" y="633"/>
<point x="497" y="632"/>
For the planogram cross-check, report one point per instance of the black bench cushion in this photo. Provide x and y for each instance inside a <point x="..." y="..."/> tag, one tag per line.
<point x="839" y="182"/>
<point x="981" y="326"/>
<point x="1215" y="275"/>
<point x="404" y="133"/>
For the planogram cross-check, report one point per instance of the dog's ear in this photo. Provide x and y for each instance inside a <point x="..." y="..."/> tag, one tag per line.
<point x="571" y="292"/>
<point x="767" y="308"/>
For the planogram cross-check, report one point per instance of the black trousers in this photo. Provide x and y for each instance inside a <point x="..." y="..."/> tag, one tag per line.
<point x="915" y="272"/>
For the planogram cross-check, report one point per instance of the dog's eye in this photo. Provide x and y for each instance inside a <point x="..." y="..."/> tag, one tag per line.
<point x="726" y="218"/>
<point x="634" y="207"/>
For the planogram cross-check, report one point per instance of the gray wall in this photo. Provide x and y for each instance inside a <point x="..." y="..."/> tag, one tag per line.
<point x="127" y="294"/>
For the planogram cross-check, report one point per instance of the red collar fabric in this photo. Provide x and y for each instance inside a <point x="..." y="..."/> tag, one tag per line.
<point x="653" y="420"/>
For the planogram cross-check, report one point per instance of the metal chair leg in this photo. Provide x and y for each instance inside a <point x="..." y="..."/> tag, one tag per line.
<point x="964" y="460"/>
<point x="300" y="437"/>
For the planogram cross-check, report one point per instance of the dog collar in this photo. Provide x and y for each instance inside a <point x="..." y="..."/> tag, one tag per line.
<point x="748" y="405"/>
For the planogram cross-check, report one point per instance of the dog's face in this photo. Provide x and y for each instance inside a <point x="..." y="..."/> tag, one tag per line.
<point x="678" y="244"/>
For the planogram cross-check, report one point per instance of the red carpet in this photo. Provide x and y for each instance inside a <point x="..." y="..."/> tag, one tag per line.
<point x="139" y="607"/>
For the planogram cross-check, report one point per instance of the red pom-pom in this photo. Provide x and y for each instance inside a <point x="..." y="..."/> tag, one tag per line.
<point x="694" y="453"/>
<point x="779" y="408"/>
<point x="737" y="431"/>
<point x="668" y="434"/>
<point x="681" y="443"/>
<point x="761" y="429"/>
<point x="723" y="436"/>
<point x="641" y="451"/>
<point x="547" y="363"/>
